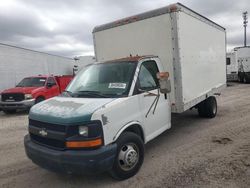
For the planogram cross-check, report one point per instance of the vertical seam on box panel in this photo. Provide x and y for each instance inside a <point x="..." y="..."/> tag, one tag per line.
<point x="176" y="63"/>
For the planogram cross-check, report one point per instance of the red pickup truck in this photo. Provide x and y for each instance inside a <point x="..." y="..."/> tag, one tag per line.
<point x="32" y="90"/>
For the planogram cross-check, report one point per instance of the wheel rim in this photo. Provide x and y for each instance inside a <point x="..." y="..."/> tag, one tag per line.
<point x="244" y="79"/>
<point x="128" y="156"/>
<point x="214" y="108"/>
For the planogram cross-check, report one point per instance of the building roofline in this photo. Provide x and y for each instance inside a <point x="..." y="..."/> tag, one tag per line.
<point x="13" y="46"/>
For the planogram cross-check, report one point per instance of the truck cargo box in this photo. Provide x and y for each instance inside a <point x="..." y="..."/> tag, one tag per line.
<point x="63" y="81"/>
<point x="191" y="48"/>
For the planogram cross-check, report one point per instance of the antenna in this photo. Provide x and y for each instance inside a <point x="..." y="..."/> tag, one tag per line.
<point x="245" y="21"/>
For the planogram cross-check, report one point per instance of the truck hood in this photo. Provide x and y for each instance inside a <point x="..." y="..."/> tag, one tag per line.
<point x="25" y="90"/>
<point x="66" y="111"/>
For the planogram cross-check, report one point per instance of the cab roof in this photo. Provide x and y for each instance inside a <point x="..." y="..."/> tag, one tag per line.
<point x="130" y="59"/>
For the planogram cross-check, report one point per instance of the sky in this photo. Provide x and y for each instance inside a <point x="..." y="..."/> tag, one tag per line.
<point x="64" y="27"/>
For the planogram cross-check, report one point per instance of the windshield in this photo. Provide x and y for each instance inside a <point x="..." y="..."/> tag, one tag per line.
<point x="103" y="80"/>
<point x="32" y="82"/>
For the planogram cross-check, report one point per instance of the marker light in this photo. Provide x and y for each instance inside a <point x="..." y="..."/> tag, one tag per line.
<point x="84" y="144"/>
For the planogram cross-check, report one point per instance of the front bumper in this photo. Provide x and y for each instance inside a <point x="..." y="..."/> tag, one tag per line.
<point x="25" y="104"/>
<point x="71" y="161"/>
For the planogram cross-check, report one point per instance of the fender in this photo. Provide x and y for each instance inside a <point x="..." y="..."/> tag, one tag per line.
<point x="127" y="126"/>
<point x="39" y="92"/>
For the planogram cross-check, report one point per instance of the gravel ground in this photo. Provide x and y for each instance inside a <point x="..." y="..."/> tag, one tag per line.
<point x="195" y="152"/>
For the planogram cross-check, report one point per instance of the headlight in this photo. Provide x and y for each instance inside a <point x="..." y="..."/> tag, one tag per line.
<point x="83" y="131"/>
<point x="28" y="96"/>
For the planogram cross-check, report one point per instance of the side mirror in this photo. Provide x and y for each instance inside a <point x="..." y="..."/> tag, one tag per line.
<point x="49" y="85"/>
<point x="165" y="84"/>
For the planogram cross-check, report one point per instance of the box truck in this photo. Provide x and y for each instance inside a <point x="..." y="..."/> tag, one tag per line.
<point x="149" y="66"/>
<point x="232" y="66"/>
<point x="243" y="59"/>
<point x="238" y="64"/>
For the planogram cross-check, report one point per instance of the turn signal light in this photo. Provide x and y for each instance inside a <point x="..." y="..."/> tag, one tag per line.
<point x="84" y="144"/>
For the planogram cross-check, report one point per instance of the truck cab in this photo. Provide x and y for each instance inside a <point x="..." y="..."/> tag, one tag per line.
<point x="103" y="119"/>
<point x="29" y="91"/>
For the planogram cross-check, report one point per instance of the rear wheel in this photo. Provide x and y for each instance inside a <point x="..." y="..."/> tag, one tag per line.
<point x="129" y="157"/>
<point x="245" y="79"/>
<point x="208" y="108"/>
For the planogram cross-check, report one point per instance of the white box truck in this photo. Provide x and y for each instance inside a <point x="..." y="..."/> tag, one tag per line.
<point x="238" y="64"/>
<point x="243" y="58"/>
<point x="115" y="106"/>
<point x="232" y="66"/>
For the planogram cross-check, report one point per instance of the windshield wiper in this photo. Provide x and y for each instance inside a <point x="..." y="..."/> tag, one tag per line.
<point x="69" y="93"/>
<point x="91" y="93"/>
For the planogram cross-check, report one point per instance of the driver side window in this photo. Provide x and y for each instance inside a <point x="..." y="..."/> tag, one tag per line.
<point x="51" y="81"/>
<point x="147" y="76"/>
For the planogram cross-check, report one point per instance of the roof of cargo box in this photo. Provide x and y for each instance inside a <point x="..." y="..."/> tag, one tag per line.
<point x="153" y="13"/>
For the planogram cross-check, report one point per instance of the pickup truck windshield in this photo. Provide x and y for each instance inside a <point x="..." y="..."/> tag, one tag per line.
<point x="32" y="82"/>
<point x="103" y="80"/>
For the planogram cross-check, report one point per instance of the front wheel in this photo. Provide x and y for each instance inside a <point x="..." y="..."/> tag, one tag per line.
<point x="129" y="157"/>
<point x="39" y="99"/>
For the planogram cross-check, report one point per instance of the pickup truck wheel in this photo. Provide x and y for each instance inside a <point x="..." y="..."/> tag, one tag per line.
<point x="9" y="111"/>
<point x="240" y="79"/>
<point x="39" y="99"/>
<point x="129" y="157"/>
<point x="208" y="108"/>
<point x="245" y="79"/>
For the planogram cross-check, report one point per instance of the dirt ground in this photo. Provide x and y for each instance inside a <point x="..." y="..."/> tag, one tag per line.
<point x="195" y="152"/>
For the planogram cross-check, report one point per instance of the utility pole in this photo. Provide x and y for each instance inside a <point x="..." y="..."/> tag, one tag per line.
<point x="245" y="21"/>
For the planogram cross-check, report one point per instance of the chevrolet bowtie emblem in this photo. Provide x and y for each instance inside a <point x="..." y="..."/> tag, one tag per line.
<point x="43" y="132"/>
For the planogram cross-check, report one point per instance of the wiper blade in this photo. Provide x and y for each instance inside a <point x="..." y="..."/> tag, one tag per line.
<point x="68" y="92"/>
<point x="92" y="93"/>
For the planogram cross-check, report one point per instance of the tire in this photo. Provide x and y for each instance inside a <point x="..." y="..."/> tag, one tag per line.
<point x="201" y="109"/>
<point x="208" y="108"/>
<point x="9" y="111"/>
<point x="240" y="79"/>
<point x="244" y="79"/>
<point x="39" y="99"/>
<point x="130" y="149"/>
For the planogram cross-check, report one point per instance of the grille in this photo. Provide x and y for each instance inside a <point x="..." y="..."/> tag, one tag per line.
<point x="48" y="126"/>
<point x="12" y="97"/>
<point x="50" y="142"/>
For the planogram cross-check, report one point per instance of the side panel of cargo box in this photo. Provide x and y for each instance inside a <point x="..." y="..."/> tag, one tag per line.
<point x="201" y="59"/>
